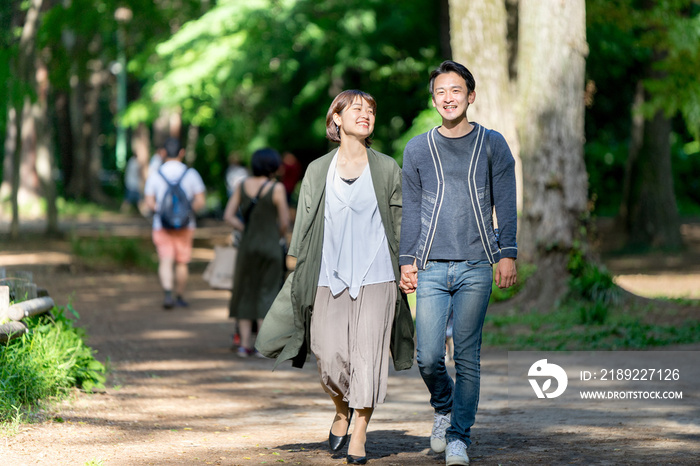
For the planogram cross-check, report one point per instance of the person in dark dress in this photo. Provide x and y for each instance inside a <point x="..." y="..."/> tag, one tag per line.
<point x="258" y="271"/>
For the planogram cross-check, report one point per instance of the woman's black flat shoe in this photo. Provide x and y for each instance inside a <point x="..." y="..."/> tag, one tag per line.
<point x="337" y="442"/>
<point x="356" y="459"/>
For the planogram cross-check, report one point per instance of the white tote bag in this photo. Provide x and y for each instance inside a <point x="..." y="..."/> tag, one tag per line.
<point x="219" y="272"/>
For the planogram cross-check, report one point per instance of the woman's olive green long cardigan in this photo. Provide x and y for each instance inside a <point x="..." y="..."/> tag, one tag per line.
<point x="285" y="333"/>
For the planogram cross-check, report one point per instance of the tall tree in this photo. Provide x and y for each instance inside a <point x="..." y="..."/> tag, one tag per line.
<point x="539" y="72"/>
<point x="45" y="164"/>
<point x="81" y="37"/>
<point x="652" y="47"/>
<point x="549" y="87"/>
<point x="22" y="80"/>
<point x="552" y="52"/>
<point x="479" y="37"/>
<point x="648" y="213"/>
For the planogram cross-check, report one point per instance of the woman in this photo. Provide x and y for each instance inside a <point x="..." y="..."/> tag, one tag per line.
<point x="347" y="308"/>
<point x="258" y="270"/>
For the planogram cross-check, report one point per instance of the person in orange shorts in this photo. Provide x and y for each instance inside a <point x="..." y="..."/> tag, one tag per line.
<point x="174" y="246"/>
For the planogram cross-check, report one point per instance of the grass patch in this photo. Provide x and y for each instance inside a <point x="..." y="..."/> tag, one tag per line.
<point x="44" y="364"/>
<point x="570" y="328"/>
<point x="106" y="251"/>
<point x="592" y="316"/>
<point x="72" y="208"/>
<point x="13" y="424"/>
<point x="95" y="462"/>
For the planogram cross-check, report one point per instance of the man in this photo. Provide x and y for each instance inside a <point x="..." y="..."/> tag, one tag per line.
<point x="174" y="246"/>
<point x="452" y="176"/>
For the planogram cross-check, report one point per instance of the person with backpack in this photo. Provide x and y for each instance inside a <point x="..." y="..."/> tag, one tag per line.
<point x="174" y="193"/>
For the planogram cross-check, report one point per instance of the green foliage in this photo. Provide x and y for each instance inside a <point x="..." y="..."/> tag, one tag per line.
<point x="69" y="208"/>
<point x="675" y="32"/>
<point x="44" y="363"/>
<point x="589" y="281"/>
<point x="11" y="427"/>
<point x="686" y="172"/>
<point x="107" y="251"/>
<point x="424" y="122"/>
<point x="605" y="161"/>
<point x="95" y="462"/>
<point x="264" y="72"/>
<point x="629" y="42"/>
<point x="592" y="290"/>
<point x="563" y="330"/>
<point x="665" y="33"/>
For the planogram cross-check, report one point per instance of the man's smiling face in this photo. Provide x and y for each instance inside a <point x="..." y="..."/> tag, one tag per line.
<point x="451" y="97"/>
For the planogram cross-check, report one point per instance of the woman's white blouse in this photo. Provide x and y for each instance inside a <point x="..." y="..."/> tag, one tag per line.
<point x="355" y="248"/>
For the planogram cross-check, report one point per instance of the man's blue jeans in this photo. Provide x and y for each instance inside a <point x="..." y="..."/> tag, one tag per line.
<point x="463" y="289"/>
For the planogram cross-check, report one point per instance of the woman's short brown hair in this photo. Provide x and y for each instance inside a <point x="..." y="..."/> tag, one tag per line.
<point x="340" y="103"/>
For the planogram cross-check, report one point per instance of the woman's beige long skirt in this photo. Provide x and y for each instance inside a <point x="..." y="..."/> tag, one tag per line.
<point x="350" y="339"/>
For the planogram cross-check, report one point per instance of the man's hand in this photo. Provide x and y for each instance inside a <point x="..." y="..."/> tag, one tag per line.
<point x="505" y="275"/>
<point x="409" y="278"/>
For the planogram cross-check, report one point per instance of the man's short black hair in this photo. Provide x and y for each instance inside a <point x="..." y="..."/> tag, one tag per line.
<point x="172" y="147"/>
<point x="265" y="162"/>
<point x="449" y="66"/>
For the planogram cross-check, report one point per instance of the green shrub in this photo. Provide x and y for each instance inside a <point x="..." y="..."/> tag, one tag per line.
<point x="45" y="363"/>
<point x="591" y="289"/>
<point x="106" y="251"/>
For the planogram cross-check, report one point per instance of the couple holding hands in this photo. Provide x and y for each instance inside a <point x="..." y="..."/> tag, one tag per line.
<point x="355" y="257"/>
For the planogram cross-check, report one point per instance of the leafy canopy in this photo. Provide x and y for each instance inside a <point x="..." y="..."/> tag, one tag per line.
<point x="264" y="71"/>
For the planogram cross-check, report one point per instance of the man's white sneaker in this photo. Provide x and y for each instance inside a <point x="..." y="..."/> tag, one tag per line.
<point x="456" y="454"/>
<point x="437" y="437"/>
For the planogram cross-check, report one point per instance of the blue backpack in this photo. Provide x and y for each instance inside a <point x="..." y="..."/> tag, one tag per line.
<point x="175" y="210"/>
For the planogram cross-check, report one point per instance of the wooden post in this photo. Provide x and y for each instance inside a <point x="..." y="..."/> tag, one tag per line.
<point x="11" y="330"/>
<point x="4" y="302"/>
<point x="30" y="307"/>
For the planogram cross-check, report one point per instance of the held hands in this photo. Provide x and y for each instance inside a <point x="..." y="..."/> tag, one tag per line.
<point x="409" y="278"/>
<point x="506" y="275"/>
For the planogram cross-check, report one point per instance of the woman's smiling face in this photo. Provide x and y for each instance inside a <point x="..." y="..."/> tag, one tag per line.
<point x="357" y="119"/>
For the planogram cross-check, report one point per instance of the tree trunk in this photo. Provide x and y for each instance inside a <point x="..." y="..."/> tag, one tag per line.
<point x="479" y="36"/>
<point x="445" y="46"/>
<point x="45" y="166"/>
<point x="64" y="136"/>
<point x="191" y="144"/>
<point x="93" y="126"/>
<point x="649" y="214"/>
<point x="85" y="126"/>
<point x="551" y="70"/>
<point x="14" y="177"/>
<point x="10" y="143"/>
<point x="24" y="75"/>
<point x="76" y="185"/>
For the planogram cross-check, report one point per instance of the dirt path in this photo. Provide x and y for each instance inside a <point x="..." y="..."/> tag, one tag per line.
<point x="177" y="396"/>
